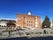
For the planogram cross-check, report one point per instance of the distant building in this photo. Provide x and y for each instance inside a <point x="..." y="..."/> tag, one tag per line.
<point x="51" y="24"/>
<point x="4" y="24"/>
<point x="28" y="21"/>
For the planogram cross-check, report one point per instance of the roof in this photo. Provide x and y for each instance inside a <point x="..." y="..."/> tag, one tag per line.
<point x="7" y="20"/>
<point x="27" y="15"/>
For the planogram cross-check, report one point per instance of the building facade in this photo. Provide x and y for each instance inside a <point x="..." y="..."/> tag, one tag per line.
<point x="51" y="24"/>
<point x="7" y="24"/>
<point x="28" y="21"/>
<point x="4" y="22"/>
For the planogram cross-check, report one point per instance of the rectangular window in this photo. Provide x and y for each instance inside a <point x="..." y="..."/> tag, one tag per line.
<point x="27" y="24"/>
<point x="27" y="21"/>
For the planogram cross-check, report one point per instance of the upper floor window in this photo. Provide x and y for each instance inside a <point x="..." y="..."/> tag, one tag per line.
<point x="24" y="17"/>
<point x="27" y="21"/>
<point x="27" y="25"/>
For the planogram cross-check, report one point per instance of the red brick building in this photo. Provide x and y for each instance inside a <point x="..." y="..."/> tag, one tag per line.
<point x="28" y="21"/>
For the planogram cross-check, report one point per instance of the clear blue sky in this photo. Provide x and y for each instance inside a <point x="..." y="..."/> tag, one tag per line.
<point x="42" y="8"/>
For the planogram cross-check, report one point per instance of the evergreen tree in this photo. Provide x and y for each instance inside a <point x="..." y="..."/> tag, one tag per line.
<point x="46" y="23"/>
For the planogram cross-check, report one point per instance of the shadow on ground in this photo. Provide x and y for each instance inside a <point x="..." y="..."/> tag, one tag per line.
<point x="34" y="38"/>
